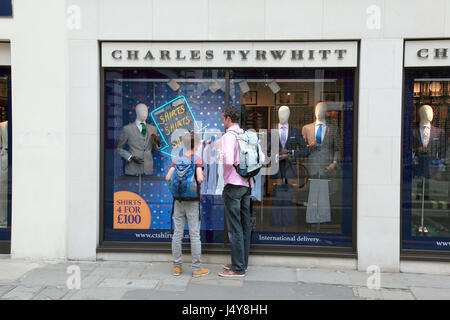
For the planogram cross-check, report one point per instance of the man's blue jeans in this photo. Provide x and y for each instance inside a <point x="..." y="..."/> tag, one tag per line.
<point x="236" y="201"/>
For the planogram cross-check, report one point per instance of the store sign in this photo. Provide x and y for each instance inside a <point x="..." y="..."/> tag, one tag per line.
<point x="230" y="54"/>
<point x="427" y="53"/>
<point x="6" y="8"/>
<point x="5" y="54"/>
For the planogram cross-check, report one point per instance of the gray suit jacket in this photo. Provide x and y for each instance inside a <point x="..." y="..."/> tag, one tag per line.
<point x="138" y="146"/>
<point x="329" y="149"/>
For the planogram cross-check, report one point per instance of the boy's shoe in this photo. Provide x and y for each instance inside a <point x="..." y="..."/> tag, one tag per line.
<point x="231" y="274"/>
<point x="227" y="266"/>
<point x="177" y="270"/>
<point x="199" y="273"/>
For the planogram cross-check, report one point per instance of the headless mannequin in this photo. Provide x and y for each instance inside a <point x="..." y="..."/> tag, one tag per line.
<point x="4" y="173"/>
<point x="425" y="116"/>
<point x="323" y="141"/>
<point x="320" y="111"/>
<point x="141" y="116"/>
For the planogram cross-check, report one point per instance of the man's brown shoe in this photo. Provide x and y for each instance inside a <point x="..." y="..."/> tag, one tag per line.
<point x="177" y="270"/>
<point x="231" y="274"/>
<point x="199" y="273"/>
<point x="227" y="266"/>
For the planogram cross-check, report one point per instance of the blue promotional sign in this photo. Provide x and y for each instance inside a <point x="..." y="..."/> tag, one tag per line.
<point x="5" y="8"/>
<point x="173" y="115"/>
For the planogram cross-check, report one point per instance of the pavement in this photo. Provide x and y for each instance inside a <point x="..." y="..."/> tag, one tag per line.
<point x="121" y="280"/>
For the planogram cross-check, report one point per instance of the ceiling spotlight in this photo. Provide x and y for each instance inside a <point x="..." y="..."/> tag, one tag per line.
<point x="215" y="86"/>
<point x="244" y="86"/>
<point x="177" y="102"/>
<point x="173" y="85"/>
<point x="274" y="86"/>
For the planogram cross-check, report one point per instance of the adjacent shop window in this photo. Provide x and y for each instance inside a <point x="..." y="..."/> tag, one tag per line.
<point x="426" y="159"/>
<point x="5" y="159"/>
<point x="304" y="195"/>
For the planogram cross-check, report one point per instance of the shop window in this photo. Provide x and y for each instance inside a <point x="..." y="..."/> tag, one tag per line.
<point x="5" y="151"/>
<point x="426" y="158"/>
<point x="308" y="202"/>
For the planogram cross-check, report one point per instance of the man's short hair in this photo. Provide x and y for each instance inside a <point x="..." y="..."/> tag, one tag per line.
<point x="233" y="113"/>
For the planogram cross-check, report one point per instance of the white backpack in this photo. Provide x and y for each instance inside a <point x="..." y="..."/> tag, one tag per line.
<point x="250" y="153"/>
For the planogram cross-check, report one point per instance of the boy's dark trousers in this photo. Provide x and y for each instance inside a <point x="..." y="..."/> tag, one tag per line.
<point x="236" y="201"/>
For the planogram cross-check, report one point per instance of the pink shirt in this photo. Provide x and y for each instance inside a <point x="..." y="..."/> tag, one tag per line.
<point x="230" y="156"/>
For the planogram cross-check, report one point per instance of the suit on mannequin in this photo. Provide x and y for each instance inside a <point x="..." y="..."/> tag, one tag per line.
<point x="428" y="144"/>
<point x="4" y="172"/>
<point x="142" y="140"/>
<point x="291" y="146"/>
<point x="323" y="138"/>
<point x="322" y="160"/>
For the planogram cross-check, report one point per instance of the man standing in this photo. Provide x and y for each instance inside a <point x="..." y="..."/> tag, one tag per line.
<point x="236" y="198"/>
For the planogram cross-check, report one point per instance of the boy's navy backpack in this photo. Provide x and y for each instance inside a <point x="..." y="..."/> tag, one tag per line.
<point x="183" y="185"/>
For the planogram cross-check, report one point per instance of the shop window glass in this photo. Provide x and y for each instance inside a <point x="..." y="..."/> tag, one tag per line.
<point x="310" y="206"/>
<point x="426" y="158"/>
<point x="305" y="197"/>
<point x="5" y="151"/>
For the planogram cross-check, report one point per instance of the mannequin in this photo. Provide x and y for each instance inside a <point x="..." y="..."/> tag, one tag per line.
<point x="428" y="153"/>
<point x="324" y="141"/>
<point x="4" y="173"/>
<point x="291" y="147"/>
<point x="142" y="141"/>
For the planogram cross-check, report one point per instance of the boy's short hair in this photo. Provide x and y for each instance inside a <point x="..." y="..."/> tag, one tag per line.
<point x="189" y="140"/>
<point x="233" y="113"/>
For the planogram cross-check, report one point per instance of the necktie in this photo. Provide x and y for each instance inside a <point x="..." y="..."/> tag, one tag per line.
<point x="319" y="135"/>
<point x="426" y="136"/>
<point x="283" y="136"/>
<point x="144" y="129"/>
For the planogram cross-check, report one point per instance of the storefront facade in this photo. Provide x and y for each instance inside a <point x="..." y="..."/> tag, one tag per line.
<point x="113" y="55"/>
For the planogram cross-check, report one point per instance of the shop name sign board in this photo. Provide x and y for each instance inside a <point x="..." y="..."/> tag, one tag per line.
<point x="6" y="8"/>
<point x="427" y="53"/>
<point x="230" y="54"/>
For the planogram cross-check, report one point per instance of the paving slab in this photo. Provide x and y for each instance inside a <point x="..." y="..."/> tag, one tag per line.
<point x="11" y="270"/>
<point x="430" y="293"/>
<point x="5" y="288"/>
<point x="51" y="293"/>
<point x="128" y="283"/>
<point x="96" y="294"/>
<point x="426" y="281"/>
<point x="271" y="274"/>
<point x="220" y="282"/>
<point x="49" y="277"/>
<point x="112" y="272"/>
<point x="323" y="277"/>
<point x="22" y="293"/>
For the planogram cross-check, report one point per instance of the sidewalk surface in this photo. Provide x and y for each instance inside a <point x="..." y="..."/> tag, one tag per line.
<point x="106" y="280"/>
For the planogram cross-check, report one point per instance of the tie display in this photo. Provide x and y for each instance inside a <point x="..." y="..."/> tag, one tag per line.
<point x="283" y="136"/>
<point x="319" y="135"/>
<point x="144" y="129"/>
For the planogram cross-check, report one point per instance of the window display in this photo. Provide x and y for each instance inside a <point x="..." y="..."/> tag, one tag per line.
<point x="5" y="161"/>
<point x="304" y="118"/>
<point x="426" y="157"/>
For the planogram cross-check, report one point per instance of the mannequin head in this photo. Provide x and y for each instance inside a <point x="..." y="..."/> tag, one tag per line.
<point x="425" y="114"/>
<point x="141" y="112"/>
<point x="320" y="111"/>
<point x="283" y="114"/>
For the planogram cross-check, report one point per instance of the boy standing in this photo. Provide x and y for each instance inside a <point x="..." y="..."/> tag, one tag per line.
<point x="191" y="211"/>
